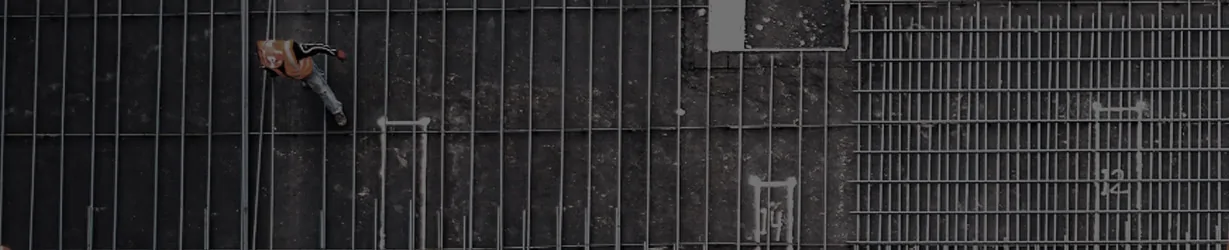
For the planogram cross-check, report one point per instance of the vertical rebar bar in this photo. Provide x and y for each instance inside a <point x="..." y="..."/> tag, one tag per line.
<point x="827" y="142"/>
<point x="208" y="213"/>
<point x="354" y="125"/>
<point x="439" y="226"/>
<point x="619" y="137"/>
<point x="324" y="143"/>
<point x="739" y="156"/>
<point x="38" y="10"/>
<point x="4" y="79"/>
<point x="864" y="52"/>
<point x="354" y="129"/>
<point x="268" y="87"/>
<point x="648" y="135"/>
<point x="589" y="137"/>
<point x="772" y="64"/>
<point x="183" y="120"/>
<point x="678" y="124"/>
<point x="1069" y="82"/>
<point x="503" y="46"/>
<point x="89" y="227"/>
<point x="157" y="128"/>
<point x="708" y="133"/>
<point x="527" y="219"/>
<point x="801" y="122"/>
<point x="245" y="9"/>
<point x="63" y="115"/>
<point x="270" y="33"/>
<point x="473" y="111"/>
<point x="563" y="79"/>
<point x="119" y="49"/>
<point x="420" y="200"/>
<point x="1219" y="111"/>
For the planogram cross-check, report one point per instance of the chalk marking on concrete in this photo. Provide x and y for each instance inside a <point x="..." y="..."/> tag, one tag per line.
<point x="769" y="218"/>
<point x="1140" y="108"/>
<point x="422" y="124"/>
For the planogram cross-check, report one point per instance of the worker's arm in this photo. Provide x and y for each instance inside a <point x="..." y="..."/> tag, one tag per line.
<point x="311" y="49"/>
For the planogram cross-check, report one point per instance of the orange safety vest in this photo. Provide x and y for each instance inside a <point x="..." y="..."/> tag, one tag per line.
<point x="277" y="53"/>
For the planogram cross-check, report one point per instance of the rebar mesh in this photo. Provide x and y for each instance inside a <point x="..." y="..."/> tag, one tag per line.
<point x="1041" y="123"/>
<point x="474" y="124"/>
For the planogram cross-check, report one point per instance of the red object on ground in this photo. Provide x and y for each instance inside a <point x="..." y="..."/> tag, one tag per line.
<point x="341" y="55"/>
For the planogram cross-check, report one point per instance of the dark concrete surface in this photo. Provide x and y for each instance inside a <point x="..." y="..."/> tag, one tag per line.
<point x="148" y="134"/>
<point x="172" y="176"/>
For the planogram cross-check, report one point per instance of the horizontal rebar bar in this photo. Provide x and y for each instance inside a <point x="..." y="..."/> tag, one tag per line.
<point x="1051" y="211"/>
<point x="1043" y="150"/>
<point x="1032" y="181"/>
<point x="1033" y="89"/>
<point x="409" y="131"/>
<point x="1218" y="242"/>
<point x="1034" y="30"/>
<point x="1039" y="59"/>
<point x="350" y="12"/>
<point x="1040" y="121"/>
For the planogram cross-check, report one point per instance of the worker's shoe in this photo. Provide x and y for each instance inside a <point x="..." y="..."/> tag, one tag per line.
<point x="340" y="118"/>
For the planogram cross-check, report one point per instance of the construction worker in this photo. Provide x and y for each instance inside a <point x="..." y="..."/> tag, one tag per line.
<point x="293" y="60"/>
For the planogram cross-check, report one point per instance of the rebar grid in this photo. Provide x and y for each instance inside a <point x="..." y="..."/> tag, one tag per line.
<point x="1040" y="123"/>
<point x="598" y="133"/>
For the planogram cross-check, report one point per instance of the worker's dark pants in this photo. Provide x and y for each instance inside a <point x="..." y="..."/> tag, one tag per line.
<point x="317" y="83"/>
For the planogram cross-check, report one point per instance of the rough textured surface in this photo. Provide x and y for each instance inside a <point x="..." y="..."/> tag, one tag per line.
<point x="593" y="125"/>
<point x="172" y="174"/>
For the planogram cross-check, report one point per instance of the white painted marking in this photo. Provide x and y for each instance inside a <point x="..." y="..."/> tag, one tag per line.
<point x="1139" y="107"/>
<point x="774" y="219"/>
<point x="421" y="123"/>
<point x="1108" y="188"/>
